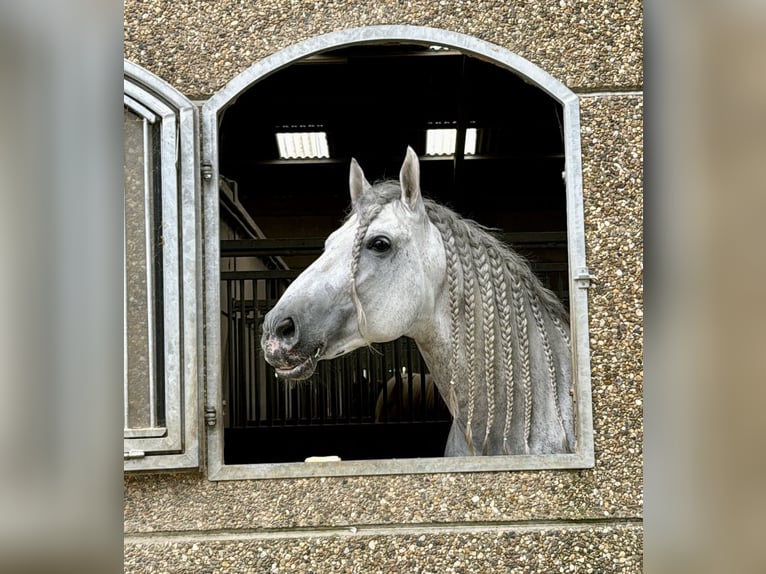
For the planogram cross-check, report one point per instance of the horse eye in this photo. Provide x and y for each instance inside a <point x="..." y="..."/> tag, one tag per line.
<point x="379" y="244"/>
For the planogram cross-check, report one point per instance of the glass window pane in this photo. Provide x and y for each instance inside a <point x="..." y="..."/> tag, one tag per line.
<point x="140" y="356"/>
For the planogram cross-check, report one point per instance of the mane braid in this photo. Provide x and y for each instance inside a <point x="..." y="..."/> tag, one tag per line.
<point x="502" y="296"/>
<point x="526" y="375"/>
<point x="469" y="293"/>
<point x="488" y="316"/>
<point x="453" y="263"/>
<point x="562" y="330"/>
<point x="538" y="316"/>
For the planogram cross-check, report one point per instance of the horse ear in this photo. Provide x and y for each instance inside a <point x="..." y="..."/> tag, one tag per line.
<point x="357" y="183"/>
<point x="409" y="179"/>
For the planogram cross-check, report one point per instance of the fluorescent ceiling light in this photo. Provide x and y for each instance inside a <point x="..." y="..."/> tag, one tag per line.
<point x="302" y="145"/>
<point x="470" y="142"/>
<point x="442" y="141"/>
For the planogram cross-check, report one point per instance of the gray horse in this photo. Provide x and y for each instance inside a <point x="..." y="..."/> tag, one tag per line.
<point x="495" y="340"/>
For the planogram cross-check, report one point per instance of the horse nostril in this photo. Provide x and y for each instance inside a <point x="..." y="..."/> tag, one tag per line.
<point x="285" y="328"/>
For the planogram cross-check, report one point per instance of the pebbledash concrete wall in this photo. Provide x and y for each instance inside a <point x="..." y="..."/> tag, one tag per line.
<point x="541" y="521"/>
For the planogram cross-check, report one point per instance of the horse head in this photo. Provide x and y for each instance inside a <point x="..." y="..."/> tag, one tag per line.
<point x="379" y="278"/>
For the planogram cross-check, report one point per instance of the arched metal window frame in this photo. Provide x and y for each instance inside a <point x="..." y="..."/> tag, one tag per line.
<point x="178" y="446"/>
<point x="579" y="276"/>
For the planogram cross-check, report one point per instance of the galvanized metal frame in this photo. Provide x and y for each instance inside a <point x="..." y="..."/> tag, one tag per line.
<point x="172" y="433"/>
<point x="156" y="101"/>
<point x="583" y="457"/>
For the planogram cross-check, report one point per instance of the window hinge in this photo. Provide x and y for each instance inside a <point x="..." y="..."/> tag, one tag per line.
<point x="207" y="171"/>
<point x="210" y="416"/>
<point x="584" y="278"/>
<point x="133" y="454"/>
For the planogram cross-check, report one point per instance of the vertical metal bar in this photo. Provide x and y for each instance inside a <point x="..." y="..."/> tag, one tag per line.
<point x="255" y="337"/>
<point x="239" y="338"/>
<point x="327" y="397"/>
<point x="276" y="397"/>
<point x="357" y="378"/>
<point x="149" y="250"/>
<point x="256" y="356"/>
<point x="422" y="370"/>
<point x="410" y="385"/>
<point x="337" y="385"/>
<point x="337" y="373"/>
<point x="333" y="411"/>
<point x="343" y="382"/>
<point x="311" y="397"/>
<point x="384" y="381"/>
<point x="308" y="404"/>
<point x="247" y="344"/>
<point x="298" y="407"/>
<point x="398" y="384"/>
<point x="231" y="354"/>
<point x="167" y="272"/>
<point x="241" y="351"/>
<point x="369" y="384"/>
<point x="287" y="393"/>
<point x="313" y="403"/>
<point x="282" y="402"/>
<point x="274" y="388"/>
<point x="348" y="389"/>
<point x="353" y="377"/>
<point x="412" y="369"/>
<point x="125" y="383"/>
<point x="269" y="379"/>
<point x="322" y="400"/>
<point x="250" y="330"/>
<point x="269" y="397"/>
<point x="234" y="398"/>
<point x="407" y="350"/>
<point x="578" y="298"/>
<point x="223" y="290"/>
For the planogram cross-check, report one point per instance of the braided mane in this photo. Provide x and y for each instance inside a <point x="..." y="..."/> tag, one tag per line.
<point x="502" y="320"/>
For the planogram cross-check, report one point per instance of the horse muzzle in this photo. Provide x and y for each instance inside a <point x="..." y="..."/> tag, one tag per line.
<point x="284" y="350"/>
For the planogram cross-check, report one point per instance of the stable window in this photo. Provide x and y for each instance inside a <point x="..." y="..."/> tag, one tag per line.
<point x="512" y="162"/>
<point x="443" y="141"/>
<point x="302" y="145"/>
<point x="161" y="409"/>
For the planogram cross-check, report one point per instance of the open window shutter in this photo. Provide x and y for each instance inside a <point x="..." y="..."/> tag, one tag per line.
<point x="161" y="275"/>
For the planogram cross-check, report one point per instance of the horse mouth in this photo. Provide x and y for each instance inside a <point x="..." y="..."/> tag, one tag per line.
<point x="302" y="370"/>
<point x="298" y="373"/>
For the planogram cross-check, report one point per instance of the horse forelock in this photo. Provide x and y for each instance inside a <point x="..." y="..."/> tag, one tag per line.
<point x="368" y="205"/>
<point x="366" y="208"/>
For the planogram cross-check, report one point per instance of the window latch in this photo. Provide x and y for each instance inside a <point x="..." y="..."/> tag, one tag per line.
<point x="584" y="278"/>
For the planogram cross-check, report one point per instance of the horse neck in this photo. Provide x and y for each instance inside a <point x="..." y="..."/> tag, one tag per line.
<point x="490" y="399"/>
<point x="434" y="346"/>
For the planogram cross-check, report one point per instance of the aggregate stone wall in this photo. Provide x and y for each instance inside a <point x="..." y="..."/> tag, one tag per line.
<point x="542" y="521"/>
<point x="198" y="46"/>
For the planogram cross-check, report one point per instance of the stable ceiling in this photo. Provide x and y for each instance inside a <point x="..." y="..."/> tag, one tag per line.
<point x="374" y="101"/>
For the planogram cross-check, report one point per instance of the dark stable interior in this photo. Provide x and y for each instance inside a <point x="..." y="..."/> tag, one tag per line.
<point x="372" y="102"/>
